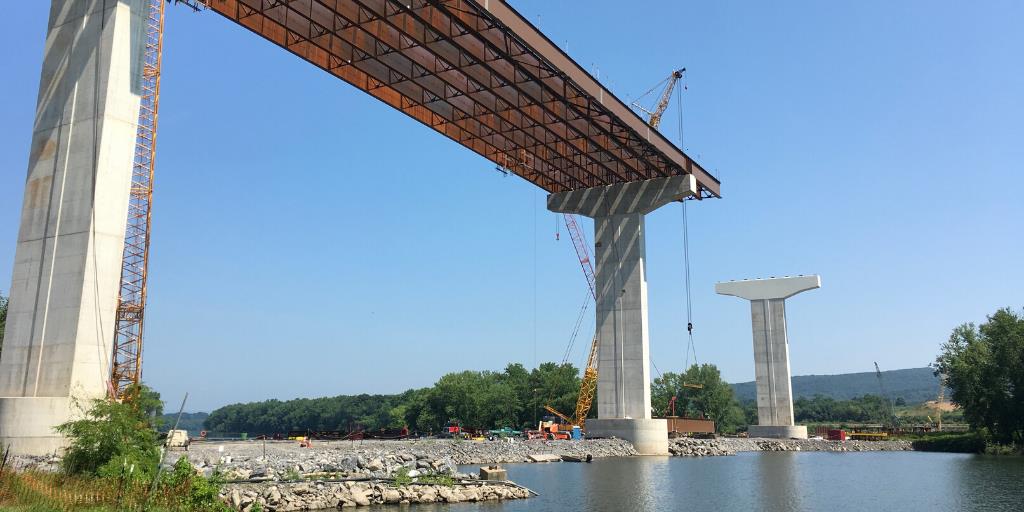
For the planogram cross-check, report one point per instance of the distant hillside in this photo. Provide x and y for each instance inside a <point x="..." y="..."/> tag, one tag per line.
<point x="191" y="421"/>
<point x="914" y="385"/>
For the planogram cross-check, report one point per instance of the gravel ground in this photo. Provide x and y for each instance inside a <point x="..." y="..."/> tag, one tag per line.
<point x="686" y="447"/>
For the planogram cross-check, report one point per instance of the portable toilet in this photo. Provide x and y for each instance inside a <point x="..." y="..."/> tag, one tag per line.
<point x="577" y="433"/>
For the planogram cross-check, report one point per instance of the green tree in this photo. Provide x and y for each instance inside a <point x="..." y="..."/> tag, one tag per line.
<point x="556" y="385"/>
<point x="984" y="368"/>
<point x="110" y="437"/>
<point x="714" y="399"/>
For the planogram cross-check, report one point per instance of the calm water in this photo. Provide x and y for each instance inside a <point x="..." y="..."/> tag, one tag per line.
<point x="771" y="482"/>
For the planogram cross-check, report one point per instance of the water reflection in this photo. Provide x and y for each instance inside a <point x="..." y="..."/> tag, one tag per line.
<point x="777" y="478"/>
<point x="770" y="482"/>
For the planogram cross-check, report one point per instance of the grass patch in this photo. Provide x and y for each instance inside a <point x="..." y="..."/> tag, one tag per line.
<point x="181" y="490"/>
<point x="402" y="478"/>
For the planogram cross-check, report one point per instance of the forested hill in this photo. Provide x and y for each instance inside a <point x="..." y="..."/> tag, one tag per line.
<point x="191" y="421"/>
<point x="914" y="385"/>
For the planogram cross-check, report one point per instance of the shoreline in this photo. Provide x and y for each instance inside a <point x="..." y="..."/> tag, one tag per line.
<point x="723" y="446"/>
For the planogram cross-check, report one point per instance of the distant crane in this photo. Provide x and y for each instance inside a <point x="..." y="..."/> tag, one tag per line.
<point x="885" y="396"/>
<point x="939" y="400"/>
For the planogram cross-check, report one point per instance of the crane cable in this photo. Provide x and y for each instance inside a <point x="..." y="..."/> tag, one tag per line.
<point x="690" y="348"/>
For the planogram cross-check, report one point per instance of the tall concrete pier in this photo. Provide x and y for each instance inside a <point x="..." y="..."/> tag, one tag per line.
<point x="623" y="383"/>
<point x="771" y="349"/>
<point x="58" y="342"/>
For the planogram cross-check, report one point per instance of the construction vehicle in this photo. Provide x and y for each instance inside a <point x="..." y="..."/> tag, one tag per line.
<point x="551" y="430"/>
<point x="505" y="432"/>
<point x="453" y="430"/>
<point x="568" y="427"/>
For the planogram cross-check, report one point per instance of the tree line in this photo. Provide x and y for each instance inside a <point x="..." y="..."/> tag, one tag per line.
<point x="983" y="366"/>
<point x="514" y="398"/>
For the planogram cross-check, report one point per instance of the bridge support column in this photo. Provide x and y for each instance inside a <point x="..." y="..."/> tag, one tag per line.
<point x="623" y="382"/>
<point x="59" y="334"/>
<point x="771" y="350"/>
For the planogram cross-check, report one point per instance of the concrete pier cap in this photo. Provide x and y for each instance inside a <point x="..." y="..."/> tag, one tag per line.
<point x="771" y="349"/>
<point x="770" y="288"/>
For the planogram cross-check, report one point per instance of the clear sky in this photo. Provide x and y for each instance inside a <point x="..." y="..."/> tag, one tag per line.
<point x="310" y="241"/>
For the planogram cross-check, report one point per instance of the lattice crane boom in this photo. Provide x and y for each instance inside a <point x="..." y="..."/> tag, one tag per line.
<point x="666" y="95"/>
<point x="126" y="362"/>
<point x="588" y="384"/>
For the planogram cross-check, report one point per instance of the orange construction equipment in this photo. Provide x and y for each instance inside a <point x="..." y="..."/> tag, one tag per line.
<point x="588" y="384"/>
<point x="126" y="363"/>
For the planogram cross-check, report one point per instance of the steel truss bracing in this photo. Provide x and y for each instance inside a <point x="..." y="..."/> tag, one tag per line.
<point x="480" y="74"/>
<point x="126" y="368"/>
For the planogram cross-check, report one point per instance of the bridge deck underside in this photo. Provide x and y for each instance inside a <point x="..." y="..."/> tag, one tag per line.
<point x="482" y="76"/>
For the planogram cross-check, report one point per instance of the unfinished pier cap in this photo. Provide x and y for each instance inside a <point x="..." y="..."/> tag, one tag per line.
<point x="623" y="382"/>
<point x="771" y="349"/>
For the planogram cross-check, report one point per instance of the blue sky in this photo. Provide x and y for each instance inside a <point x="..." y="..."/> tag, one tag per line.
<point x="310" y="241"/>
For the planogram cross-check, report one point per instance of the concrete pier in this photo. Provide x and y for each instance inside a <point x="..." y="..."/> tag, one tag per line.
<point x="771" y="350"/>
<point x="623" y="383"/>
<point x="58" y="341"/>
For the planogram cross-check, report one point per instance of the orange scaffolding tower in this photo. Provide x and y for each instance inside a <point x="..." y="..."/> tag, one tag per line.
<point x="126" y="365"/>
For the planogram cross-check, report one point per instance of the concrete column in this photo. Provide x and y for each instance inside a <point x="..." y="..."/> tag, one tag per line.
<point x="771" y="349"/>
<point x="58" y="342"/>
<point x="623" y="382"/>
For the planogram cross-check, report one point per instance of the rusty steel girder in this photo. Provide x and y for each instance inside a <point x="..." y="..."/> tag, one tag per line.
<point x="477" y="72"/>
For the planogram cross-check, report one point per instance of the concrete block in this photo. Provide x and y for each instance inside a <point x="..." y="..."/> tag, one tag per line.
<point x="777" y="431"/>
<point x="544" y="457"/>
<point x="494" y="473"/>
<point x="648" y="436"/>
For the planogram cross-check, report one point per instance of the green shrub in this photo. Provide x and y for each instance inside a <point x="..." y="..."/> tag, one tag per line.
<point x="195" y="492"/>
<point x="954" y="443"/>
<point x="110" y="437"/>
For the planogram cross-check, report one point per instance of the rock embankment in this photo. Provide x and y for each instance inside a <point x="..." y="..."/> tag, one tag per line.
<point x="284" y="497"/>
<point x="277" y="459"/>
<point x="686" y="447"/>
<point x="282" y="475"/>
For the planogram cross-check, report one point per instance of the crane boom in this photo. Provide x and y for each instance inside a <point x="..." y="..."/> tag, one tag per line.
<point x="655" y="120"/>
<point x="582" y="251"/>
<point x="588" y="384"/>
<point x="554" y="411"/>
<point x="655" y="115"/>
<point x="885" y="396"/>
<point x="126" y="362"/>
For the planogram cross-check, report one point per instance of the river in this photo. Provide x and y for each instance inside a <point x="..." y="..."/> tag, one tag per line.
<point x="784" y="481"/>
